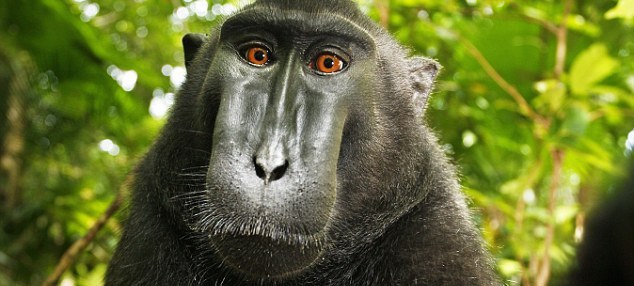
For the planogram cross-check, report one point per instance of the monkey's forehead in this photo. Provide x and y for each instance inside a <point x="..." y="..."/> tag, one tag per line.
<point x="304" y="21"/>
<point x="343" y="7"/>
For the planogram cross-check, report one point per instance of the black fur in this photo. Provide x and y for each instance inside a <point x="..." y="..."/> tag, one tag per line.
<point x="375" y="203"/>
<point x="606" y="255"/>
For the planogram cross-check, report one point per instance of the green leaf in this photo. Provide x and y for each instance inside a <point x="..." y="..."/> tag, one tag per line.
<point x="576" y="120"/>
<point x="509" y="267"/>
<point x="580" y="24"/>
<point x="590" y="67"/>
<point x="624" y="9"/>
<point x="608" y="94"/>
<point x="591" y="154"/>
<point x="552" y="94"/>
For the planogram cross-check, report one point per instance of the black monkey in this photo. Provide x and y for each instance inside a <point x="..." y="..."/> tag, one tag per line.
<point x="296" y="154"/>
<point x="606" y="255"/>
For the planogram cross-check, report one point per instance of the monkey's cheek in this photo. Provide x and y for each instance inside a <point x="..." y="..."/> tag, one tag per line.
<point x="262" y="257"/>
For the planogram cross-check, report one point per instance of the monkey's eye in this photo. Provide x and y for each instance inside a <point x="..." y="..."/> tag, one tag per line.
<point x="257" y="55"/>
<point x="328" y="63"/>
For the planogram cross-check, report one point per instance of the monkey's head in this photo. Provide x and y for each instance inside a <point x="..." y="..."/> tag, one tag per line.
<point x="309" y="119"/>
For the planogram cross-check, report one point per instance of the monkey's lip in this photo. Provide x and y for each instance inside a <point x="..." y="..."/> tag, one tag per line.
<point x="299" y="240"/>
<point x="218" y="226"/>
<point x="278" y="235"/>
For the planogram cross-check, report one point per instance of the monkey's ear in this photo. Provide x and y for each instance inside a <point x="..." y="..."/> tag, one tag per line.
<point x="191" y="45"/>
<point x="423" y="72"/>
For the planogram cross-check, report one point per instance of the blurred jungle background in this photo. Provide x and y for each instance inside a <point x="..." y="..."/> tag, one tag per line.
<point x="535" y="104"/>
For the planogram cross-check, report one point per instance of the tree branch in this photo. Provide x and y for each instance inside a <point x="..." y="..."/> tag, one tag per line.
<point x="543" y="272"/>
<point x="562" y="40"/>
<point x="525" y="108"/>
<point x="383" y="6"/>
<point x="80" y="245"/>
<point x="21" y="68"/>
<point x="545" y="24"/>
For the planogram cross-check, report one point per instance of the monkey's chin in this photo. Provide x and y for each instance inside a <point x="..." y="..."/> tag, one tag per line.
<point x="262" y="257"/>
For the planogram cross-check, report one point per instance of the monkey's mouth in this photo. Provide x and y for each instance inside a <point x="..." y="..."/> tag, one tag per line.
<point x="230" y="228"/>
<point x="259" y="245"/>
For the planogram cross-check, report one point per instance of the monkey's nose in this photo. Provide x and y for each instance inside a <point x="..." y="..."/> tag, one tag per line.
<point x="270" y="166"/>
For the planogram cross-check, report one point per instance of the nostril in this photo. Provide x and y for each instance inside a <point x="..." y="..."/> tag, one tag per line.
<point x="259" y="170"/>
<point x="279" y="171"/>
<point x="269" y="173"/>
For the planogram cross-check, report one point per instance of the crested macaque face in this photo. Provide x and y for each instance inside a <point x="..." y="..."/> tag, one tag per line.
<point x="286" y="88"/>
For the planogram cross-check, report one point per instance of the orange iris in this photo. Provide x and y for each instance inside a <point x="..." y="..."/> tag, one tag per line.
<point x="258" y="56"/>
<point x="328" y="63"/>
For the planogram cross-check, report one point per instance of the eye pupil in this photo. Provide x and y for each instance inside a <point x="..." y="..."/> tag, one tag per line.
<point x="259" y="56"/>
<point x="329" y="63"/>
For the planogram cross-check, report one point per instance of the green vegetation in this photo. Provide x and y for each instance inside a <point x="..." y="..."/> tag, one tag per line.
<point x="535" y="104"/>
